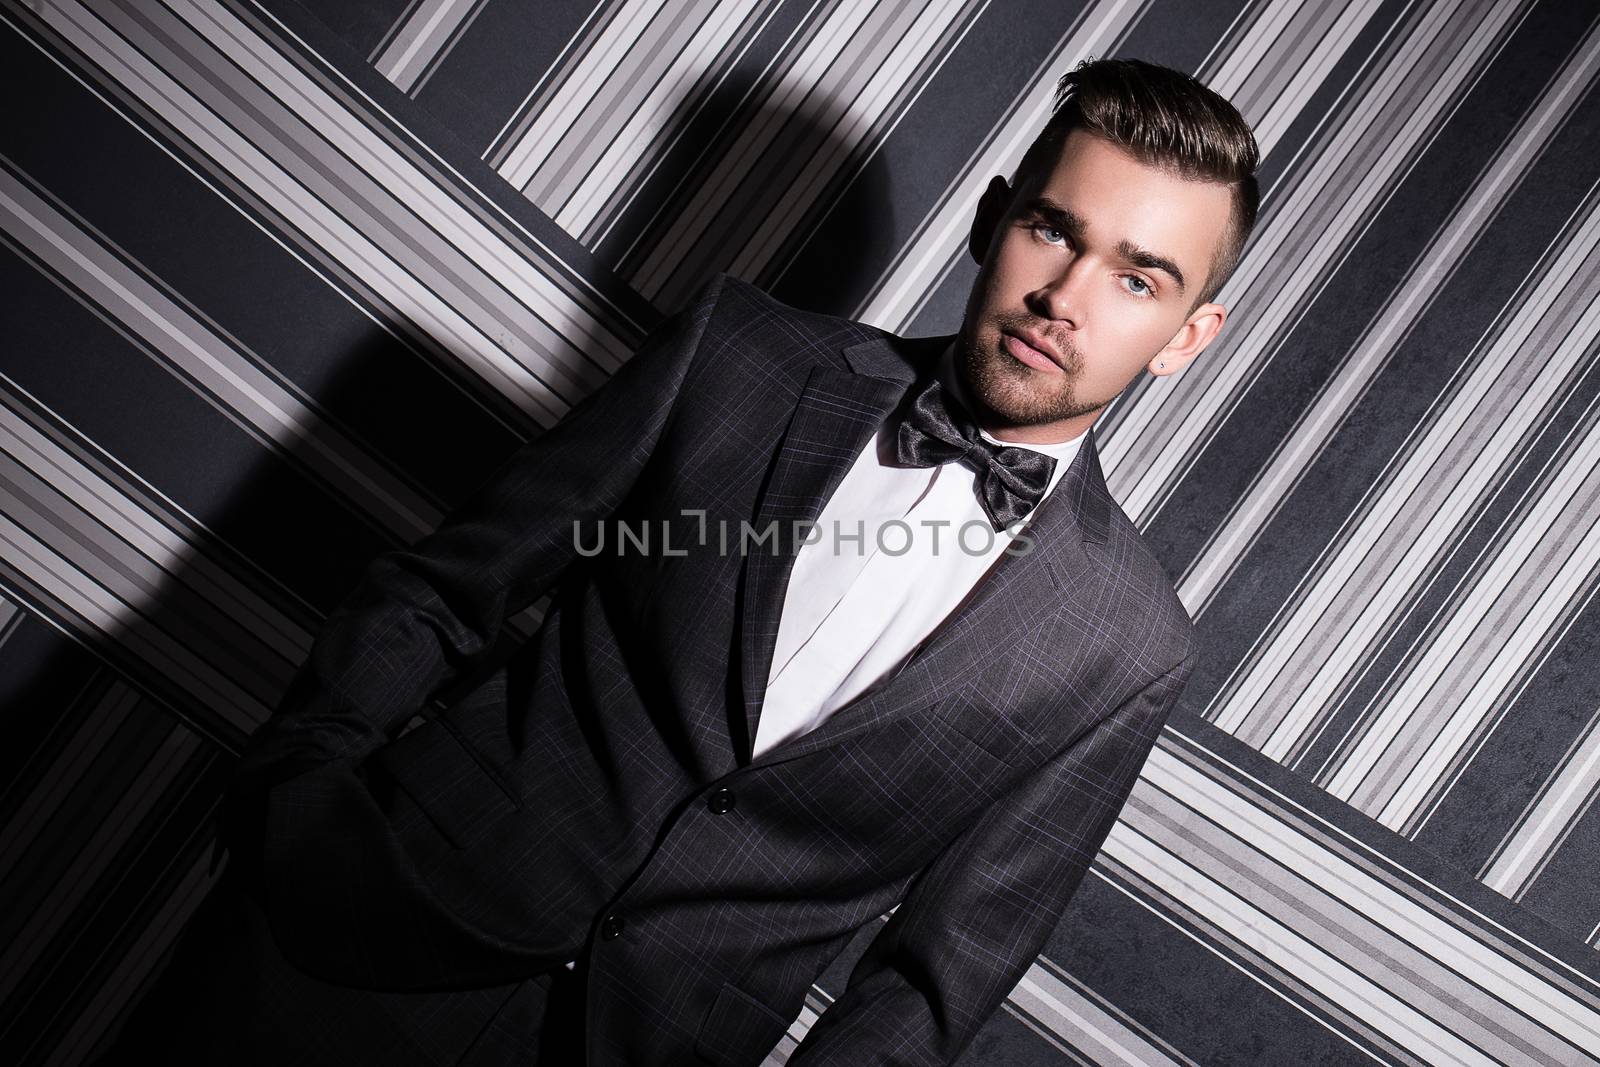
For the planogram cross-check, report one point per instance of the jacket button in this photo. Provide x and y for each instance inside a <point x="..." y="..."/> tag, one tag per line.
<point x="721" y="801"/>
<point x="611" y="927"/>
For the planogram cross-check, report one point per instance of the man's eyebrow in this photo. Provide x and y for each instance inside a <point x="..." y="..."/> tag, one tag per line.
<point x="1072" y="224"/>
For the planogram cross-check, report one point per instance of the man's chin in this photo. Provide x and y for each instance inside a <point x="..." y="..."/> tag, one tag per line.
<point x="1010" y="391"/>
<point x="1014" y="410"/>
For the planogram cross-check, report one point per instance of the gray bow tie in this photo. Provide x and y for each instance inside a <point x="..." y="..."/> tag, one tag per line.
<point x="936" y="429"/>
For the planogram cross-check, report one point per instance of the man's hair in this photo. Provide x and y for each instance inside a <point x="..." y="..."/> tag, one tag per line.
<point x="1164" y="118"/>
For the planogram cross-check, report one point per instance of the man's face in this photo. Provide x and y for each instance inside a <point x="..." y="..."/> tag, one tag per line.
<point x="1086" y="277"/>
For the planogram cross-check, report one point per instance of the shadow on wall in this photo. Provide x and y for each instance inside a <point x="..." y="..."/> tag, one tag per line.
<point x="385" y="395"/>
<point x="670" y="239"/>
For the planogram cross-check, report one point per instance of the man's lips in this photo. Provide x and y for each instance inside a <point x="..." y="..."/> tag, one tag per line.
<point x="1033" y="351"/>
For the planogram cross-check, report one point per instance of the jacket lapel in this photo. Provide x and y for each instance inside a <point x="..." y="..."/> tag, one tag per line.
<point x="837" y="413"/>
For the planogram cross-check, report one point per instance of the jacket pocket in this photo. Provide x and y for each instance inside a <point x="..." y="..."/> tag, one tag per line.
<point x="511" y="1033"/>
<point x="993" y="729"/>
<point x="739" y="1030"/>
<point x="447" y="780"/>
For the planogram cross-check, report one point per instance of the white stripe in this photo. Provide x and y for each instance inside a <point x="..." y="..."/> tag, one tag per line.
<point x="428" y="28"/>
<point x="1413" y="511"/>
<point x="1405" y="305"/>
<point x="567" y="105"/>
<point x="646" y="124"/>
<point x="1489" y="641"/>
<point x="1164" y="427"/>
<point x="1080" y="1024"/>
<point x="498" y="347"/>
<point x="805" y="93"/>
<point x="862" y="120"/>
<point x="1550" y="818"/>
<point x="897" y="296"/>
<point x="109" y="554"/>
<point x="1368" y="900"/>
<point x="233" y="377"/>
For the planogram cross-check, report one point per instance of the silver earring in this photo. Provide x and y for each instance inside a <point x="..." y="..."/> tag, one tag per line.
<point x="1163" y="363"/>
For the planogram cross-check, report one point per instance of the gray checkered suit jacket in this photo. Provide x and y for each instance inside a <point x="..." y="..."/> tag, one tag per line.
<point x="594" y="792"/>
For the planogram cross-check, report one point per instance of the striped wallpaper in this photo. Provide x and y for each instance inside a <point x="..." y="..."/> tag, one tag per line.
<point x="280" y="277"/>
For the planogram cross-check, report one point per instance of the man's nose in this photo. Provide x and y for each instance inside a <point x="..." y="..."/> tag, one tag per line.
<point x="1064" y="295"/>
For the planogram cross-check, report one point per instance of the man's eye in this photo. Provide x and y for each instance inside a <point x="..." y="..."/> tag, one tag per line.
<point x="1144" y="286"/>
<point x="1045" y="230"/>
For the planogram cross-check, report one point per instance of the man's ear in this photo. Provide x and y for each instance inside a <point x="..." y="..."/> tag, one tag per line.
<point x="1197" y="331"/>
<point x="991" y="209"/>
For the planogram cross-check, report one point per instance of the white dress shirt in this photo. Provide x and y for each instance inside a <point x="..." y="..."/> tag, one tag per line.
<point x="855" y="608"/>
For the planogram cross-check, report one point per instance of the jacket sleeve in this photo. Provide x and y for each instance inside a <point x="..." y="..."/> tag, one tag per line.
<point x="424" y="615"/>
<point x="976" y="917"/>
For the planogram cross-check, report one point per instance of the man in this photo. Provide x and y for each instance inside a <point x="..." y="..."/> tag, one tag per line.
<point x="725" y="753"/>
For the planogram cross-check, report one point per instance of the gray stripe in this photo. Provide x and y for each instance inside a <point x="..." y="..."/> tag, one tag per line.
<point x="1281" y="693"/>
<point x="513" y="325"/>
<point x="1567" y="797"/>
<point x="1312" y="214"/>
<point x="1435" y="266"/>
<point x="206" y="360"/>
<point x="421" y="39"/>
<point x="100" y="552"/>
<point x="896" y="299"/>
<point x="1453" y="980"/>
<point x="800" y="103"/>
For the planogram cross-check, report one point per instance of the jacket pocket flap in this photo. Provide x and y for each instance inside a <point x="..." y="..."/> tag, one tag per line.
<point x="739" y="1029"/>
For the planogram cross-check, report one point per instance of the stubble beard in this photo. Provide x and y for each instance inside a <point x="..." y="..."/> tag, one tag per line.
<point x="1011" y="392"/>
